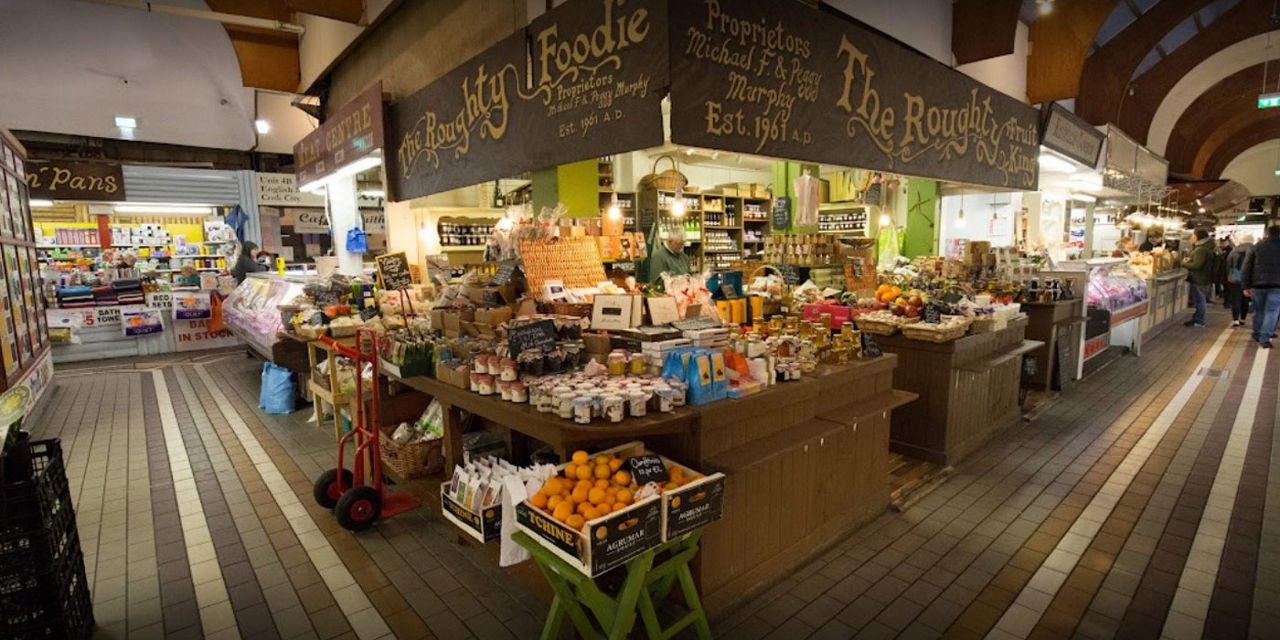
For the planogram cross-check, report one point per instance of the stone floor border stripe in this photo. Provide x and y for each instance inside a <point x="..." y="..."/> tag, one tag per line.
<point x="1021" y="617"/>
<point x="354" y="603"/>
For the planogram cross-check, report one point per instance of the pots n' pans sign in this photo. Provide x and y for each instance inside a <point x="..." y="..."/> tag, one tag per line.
<point x="780" y="79"/>
<point x="584" y="80"/>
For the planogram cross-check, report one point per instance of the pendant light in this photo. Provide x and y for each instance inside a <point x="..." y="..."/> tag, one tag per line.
<point x="960" y="218"/>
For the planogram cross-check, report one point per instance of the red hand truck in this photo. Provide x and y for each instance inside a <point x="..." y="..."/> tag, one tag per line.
<point x="359" y="501"/>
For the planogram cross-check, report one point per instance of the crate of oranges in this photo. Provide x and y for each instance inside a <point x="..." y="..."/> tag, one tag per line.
<point x="595" y="516"/>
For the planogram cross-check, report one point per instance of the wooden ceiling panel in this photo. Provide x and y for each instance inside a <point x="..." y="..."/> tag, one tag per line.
<point x="1107" y="72"/>
<point x="345" y="10"/>
<point x="982" y="29"/>
<point x="1059" y="43"/>
<point x="1232" y="96"/>
<point x="1243" y="21"/>
<point x="268" y="9"/>
<point x="1266" y="128"/>
<point x="268" y="59"/>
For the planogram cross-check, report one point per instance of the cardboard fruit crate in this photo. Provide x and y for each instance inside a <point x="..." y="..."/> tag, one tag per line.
<point x="485" y="526"/>
<point x="611" y="540"/>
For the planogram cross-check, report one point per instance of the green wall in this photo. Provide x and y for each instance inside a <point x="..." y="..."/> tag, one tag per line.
<point x="922" y="214"/>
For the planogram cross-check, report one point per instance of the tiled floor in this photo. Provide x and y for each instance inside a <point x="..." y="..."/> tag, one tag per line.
<point x="1136" y="508"/>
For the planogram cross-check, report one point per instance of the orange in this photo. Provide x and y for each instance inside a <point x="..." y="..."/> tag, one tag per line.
<point x="582" y="507"/>
<point x="580" y="457"/>
<point x="615" y="464"/>
<point x="624" y="496"/>
<point x="539" y="500"/>
<point x="669" y="486"/>
<point x="619" y="506"/>
<point x="622" y="478"/>
<point x="554" y="501"/>
<point x="602" y="484"/>
<point x="576" y="521"/>
<point x="611" y="491"/>
<point x="580" y="494"/>
<point x="563" y="510"/>
<point x="596" y="495"/>
<point x="584" y="472"/>
<point x="585" y="484"/>
<point x="602" y="471"/>
<point x="675" y="472"/>
<point x="591" y="513"/>
<point x="571" y="470"/>
<point x="552" y="486"/>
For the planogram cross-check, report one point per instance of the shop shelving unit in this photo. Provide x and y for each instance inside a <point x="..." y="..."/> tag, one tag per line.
<point x="24" y="340"/>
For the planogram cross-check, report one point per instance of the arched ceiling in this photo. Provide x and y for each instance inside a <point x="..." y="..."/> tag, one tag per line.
<point x="1226" y="150"/>
<point x="1255" y="168"/>
<point x="1226" y="107"/>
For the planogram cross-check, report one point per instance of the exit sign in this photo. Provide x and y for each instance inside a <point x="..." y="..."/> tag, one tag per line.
<point x="1268" y="100"/>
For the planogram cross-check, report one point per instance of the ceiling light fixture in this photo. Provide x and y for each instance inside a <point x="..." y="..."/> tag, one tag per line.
<point x="677" y="207"/>
<point x="126" y="122"/>
<point x="164" y="209"/>
<point x="615" y="212"/>
<point x="1054" y="164"/>
<point x="374" y="193"/>
<point x="1043" y="7"/>
<point x="262" y="127"/>
<point x="40" y="203"/>
<point x="368" y="162"/>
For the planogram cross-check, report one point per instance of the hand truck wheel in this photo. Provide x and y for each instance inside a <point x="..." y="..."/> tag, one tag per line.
<point x="358" y="508"/>
<point x="328" y="489"/>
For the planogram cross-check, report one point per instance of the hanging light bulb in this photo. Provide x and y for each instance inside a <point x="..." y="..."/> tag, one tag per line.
<point x="615" y="212"/>
<point x="960" y="218"/>
<point x="677" y="207"/>
<point x="885" y="220"/>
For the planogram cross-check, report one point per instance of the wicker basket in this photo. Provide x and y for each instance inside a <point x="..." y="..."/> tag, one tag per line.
<point x="577" y="309"/>
<point x="321" y="379"/>
<point x="669" y="180"/>
<point x="413" y="460"/>
<point x="310" y="333"/>
<point x="882" y="327"/>
<point x="954" y="328"/>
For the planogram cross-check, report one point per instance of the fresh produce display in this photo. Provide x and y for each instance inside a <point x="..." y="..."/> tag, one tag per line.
<point x="591" y="487"/>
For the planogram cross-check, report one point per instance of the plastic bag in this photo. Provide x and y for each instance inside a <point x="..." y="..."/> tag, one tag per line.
<point x="431" y="424"/>
<point x="357" y="242"/>
<point x="509" y="552"/>
<point x="277" y="394"/>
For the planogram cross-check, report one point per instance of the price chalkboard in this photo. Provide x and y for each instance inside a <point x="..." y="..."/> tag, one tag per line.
<point x="535" y="335"/>
<point x="870" y="346"/>
<point x="790" y="273"/>
<point x="393" y="271"/>
<point x="781" y="213"/>
<point x="506" y="271"/>
<point x="326" y="298"/>
<point x="932" y="314"/>
<point x="647" y="468"/>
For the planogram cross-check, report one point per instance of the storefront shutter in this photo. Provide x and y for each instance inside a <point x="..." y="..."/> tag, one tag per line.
<point x="174" y="185"/>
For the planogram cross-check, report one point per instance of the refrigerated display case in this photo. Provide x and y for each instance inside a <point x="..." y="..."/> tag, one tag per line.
<point x="252" y="310"/>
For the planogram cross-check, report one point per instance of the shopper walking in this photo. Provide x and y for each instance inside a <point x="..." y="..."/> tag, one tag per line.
<point x="1199" y="265"/>
<point x="1261" y="278"/>
<point x="1235" y="280"/>
<point x="1220" y="270"/>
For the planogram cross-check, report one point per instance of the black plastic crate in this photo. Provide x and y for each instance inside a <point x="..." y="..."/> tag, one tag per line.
<point x="28" y="552"/>
<point x="30" y="505"/>
<point x="53" y="603"/>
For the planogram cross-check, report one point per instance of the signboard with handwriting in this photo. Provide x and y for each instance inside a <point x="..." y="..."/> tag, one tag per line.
<point x="647" y="468"/>
<point x="534" y="335"/>
<point x="583" y="80"/>
<point x="393" y="271"/>
<point x="785" y="80"/>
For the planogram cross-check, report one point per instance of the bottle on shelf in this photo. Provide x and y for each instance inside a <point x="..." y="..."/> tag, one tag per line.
<point x="499" y="201"/>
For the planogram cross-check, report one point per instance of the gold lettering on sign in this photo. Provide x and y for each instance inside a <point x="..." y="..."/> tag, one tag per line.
<point x="566" y="74"/>
<point x="53" y="178"/>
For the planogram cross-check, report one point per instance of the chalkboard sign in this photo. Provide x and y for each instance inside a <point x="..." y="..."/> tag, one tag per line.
<point x="393" y="271"/>
<point x="790" y="273"/>
<point x="932" y="314"/>
<point x="647" y="468"/>
<point x="326" y="297"/>
<point x="870" y="346"/>
<point x="535" y="335"/>
<point x="781" y="212"/>
<point x="1064" y="366"/>
<point x="506" y="270"/>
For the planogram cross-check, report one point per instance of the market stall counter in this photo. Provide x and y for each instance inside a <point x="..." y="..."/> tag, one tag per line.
<point x="1060" y="326"/>
<point x="969" y="390"/>
<point x="1167" y="292"/>
<point x="825" y="437"/>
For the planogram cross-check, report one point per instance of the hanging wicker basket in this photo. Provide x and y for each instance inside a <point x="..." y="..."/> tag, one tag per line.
<point x="669" y="180"/>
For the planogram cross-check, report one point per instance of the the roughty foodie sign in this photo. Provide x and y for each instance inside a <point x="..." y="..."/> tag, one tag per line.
<point x="584" y="80"/>
<point x="777" y="78"/>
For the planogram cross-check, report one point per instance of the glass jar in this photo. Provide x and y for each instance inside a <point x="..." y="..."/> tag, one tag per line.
<point x="639" y="402"/>
<point x="613" y="407"/>
<point x="637" y="364"/>
<point x="582" y="409"/>
<point x="486" y="385"/>
<point x="617" y="363"/>
<point x="564" y="404"/>
<point x="519" y="393"/>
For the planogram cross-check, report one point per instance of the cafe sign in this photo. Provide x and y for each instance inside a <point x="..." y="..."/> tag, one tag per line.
<point x="351" y="133"/>
<point x="583" y="80"/>
<point x="66" y="180"/>
<point x="784" y="80"/>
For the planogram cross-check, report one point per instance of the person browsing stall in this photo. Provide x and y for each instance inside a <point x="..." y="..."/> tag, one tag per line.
<point x="1199" y="265"/>
<point x="669" y="257"/>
